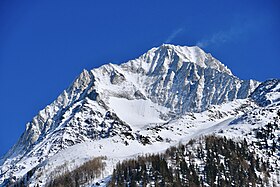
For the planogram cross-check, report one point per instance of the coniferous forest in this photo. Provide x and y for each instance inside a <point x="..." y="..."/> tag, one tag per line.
<point x="209" y="161"/>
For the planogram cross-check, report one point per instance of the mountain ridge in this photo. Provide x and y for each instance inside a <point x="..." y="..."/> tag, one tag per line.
<point x="169" y="81"/>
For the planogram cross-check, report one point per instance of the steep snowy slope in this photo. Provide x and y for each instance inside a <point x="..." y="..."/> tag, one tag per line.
<point x="153" y="138"/>
<point x="239" y="120"/>
<point x="162" y="85"/>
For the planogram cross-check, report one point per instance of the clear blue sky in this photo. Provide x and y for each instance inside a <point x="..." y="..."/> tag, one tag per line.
<point x="44" y="45"/>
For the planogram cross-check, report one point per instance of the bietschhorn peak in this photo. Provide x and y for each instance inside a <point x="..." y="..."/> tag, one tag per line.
<point x="182" y="90"/>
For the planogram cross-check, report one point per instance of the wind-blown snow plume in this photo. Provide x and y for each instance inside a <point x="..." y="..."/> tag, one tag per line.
<point x="174" y="34"/>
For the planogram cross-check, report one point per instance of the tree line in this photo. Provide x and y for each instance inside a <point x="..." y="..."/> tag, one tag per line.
<point x="209" y="161"/>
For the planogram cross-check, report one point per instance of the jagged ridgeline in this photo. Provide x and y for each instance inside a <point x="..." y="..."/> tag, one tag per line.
<point x="209" y="161"/>
<point x="168" y="95"/>
<point x="179" y="78"/>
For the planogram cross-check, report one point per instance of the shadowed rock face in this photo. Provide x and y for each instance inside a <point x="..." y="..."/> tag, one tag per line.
<point x="183" y="79"/>
<point x="263" y="93"/>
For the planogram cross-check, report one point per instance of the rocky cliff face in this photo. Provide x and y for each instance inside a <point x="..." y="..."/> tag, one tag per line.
<point x="267" y="93"/>
<point x="180" y="79"/>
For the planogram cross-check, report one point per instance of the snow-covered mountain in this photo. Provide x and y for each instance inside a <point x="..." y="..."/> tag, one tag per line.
<point x="167" y="95"/>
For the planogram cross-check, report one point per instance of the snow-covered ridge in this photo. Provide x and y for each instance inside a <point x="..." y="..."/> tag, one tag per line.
<point x="186" y="78"/>
<point x="168" y="81"/>
<point x="198" y="56"/>
<point x="192" y="54"/>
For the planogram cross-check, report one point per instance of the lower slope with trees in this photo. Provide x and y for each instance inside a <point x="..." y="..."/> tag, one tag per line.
<point x="208" y="161"/>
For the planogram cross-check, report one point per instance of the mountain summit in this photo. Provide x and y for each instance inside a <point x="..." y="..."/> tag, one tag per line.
<point x="162" y="85"/>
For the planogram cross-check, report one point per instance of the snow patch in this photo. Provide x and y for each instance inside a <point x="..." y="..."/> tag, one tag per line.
<point x="137" y="113"/>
